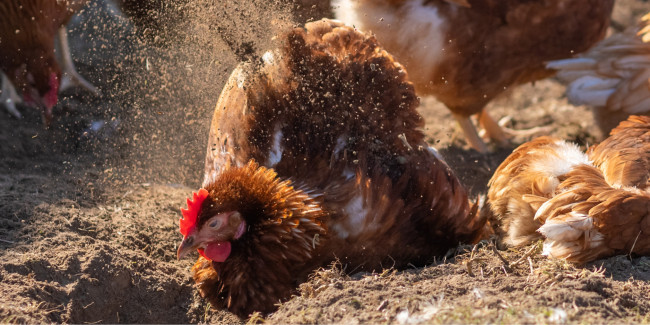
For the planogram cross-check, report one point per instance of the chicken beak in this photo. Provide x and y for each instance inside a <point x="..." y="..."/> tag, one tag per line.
<point x="187" y="245"/>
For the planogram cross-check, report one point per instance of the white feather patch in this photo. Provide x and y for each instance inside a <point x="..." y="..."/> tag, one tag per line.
<point x="573" y="64"/>
<point x="565" y="157"/>
<point x="341" y="142"/>
<point x="348" y="174"/>
<point x="268" y="58"/>
<point x="590" y="90"/>
<point x="421" y="39"/>
<point x="570" y="235"/>
<point x="355" y="219"/>
<point x="436" y="154"/>
<point x="339" y="230"/>
<point x="356" y="212"/>
<point x="275" y="153"/>
<point x="567" y="228"/>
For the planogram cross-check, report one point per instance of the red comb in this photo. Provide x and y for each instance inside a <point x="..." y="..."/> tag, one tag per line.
<point x="192" y="212"/>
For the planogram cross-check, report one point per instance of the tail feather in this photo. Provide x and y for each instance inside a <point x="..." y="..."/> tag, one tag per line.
<point x="591" y="90"/>
<point x="567" y="227"/>
<point x="572" y="64"/>
<point x="612" y="76"/>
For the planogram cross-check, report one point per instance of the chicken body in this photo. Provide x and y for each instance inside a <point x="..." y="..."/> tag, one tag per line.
<point x="585" y="206"/>
<point x="352" y="178"/>
<point x="27" y="56"/>
<point x="612" y="77"/>
<point x="466" y="53"/>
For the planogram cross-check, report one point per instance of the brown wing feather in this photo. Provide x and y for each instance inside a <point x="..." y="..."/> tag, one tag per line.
<point x="591" y="220"/>
<point x="624" y="157"/>
<point x="226" y="126"/>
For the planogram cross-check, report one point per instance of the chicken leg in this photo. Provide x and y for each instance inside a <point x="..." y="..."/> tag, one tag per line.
<point x="70" y="75"/>
<point x="469" y="130"/>
<point x="497" y="132"/>
<point x="493" y="131"/>
<point x="9" y="97"/>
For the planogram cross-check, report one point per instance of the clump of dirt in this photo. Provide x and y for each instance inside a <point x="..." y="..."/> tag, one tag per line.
<point x="89" y="207"/>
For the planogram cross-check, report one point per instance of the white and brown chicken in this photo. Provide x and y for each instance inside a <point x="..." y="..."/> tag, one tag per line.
<point x="467" y="52"/>
<point x="584" y="205"/>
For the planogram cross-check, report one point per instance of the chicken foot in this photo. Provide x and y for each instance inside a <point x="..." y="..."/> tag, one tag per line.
<point x="498" y="132"/>
<point x="70" y="75"/>
<point x="9" y="97"/>
<point x="471" y="135"/>
<point x="493" y="131"/>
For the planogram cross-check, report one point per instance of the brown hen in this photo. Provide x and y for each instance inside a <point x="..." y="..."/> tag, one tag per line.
<point x="584" y="206"/>
<point x="466" y="53"/>
<point x="27" y="57"/>
<point x="316" y="154"/>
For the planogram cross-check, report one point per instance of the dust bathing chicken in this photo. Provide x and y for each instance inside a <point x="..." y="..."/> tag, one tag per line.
<point x="27" y="57"/>
<point x="584" y="206"/>
<point x="612" y="77"/>
<point x="316" y="154"/>
<point x="467" y="52"/>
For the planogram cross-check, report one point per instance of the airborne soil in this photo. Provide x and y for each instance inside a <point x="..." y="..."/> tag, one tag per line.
<point x="89" y="207"/>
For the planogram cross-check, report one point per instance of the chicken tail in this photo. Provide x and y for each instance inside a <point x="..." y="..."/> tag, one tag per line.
<point x="590" y="220"/>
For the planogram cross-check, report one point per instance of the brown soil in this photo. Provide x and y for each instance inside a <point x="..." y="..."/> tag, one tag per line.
<point x="88" y="221"/>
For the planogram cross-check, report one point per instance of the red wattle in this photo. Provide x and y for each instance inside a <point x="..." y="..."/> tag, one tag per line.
<point x="202" y="252"/>
<point x="217" y="251"/>
<point x="52" y="96"/>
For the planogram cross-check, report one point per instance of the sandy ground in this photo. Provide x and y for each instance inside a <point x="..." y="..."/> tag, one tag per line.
<point x="88" y="220"/>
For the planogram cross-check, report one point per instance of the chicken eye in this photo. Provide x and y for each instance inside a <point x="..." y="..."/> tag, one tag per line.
<point x="215" y="224"/>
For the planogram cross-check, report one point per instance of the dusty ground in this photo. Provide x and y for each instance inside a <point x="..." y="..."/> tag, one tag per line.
<point x="88" y="220"/>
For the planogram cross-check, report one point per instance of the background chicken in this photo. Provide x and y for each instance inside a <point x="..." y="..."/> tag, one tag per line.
<point x="612" y="76"/>
<point x="352" y="179"/>
<point x="465" y="53"/>
<point x="584" y="206"/>
<point x="27" y="55"/>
